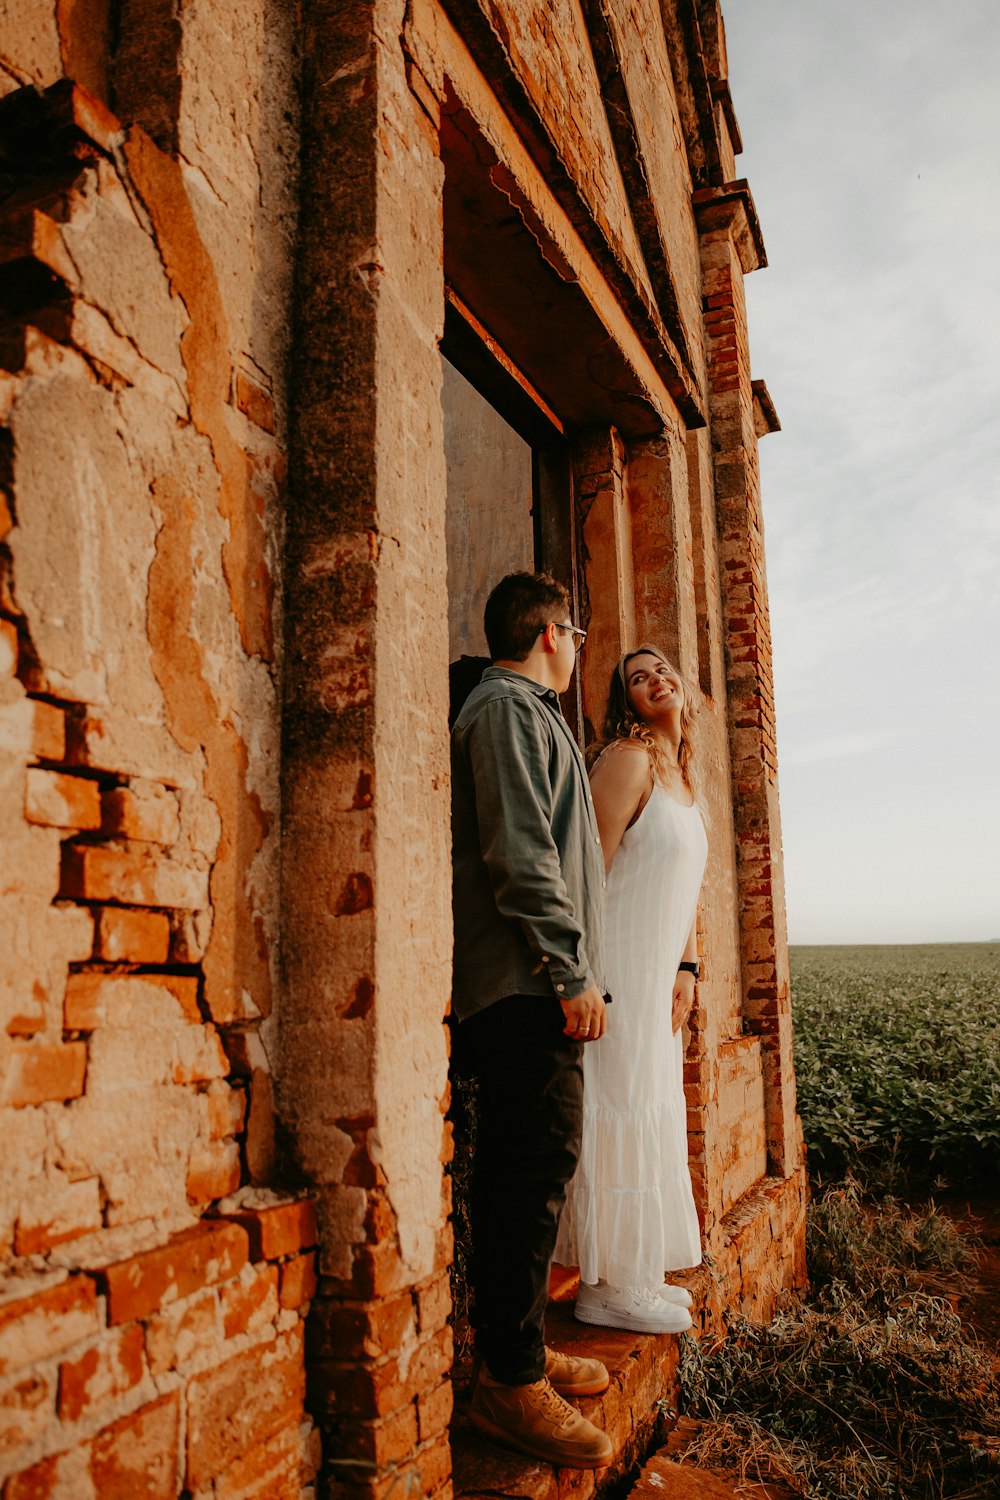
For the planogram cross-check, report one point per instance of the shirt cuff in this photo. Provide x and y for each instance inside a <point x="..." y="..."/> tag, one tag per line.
<point x="568" y="980"/>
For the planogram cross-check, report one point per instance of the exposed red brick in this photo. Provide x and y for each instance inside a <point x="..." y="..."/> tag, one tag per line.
<point x="130" y="935"/>
<point x="360" y="1002"/>
<point x="378" y="1271"/>
<point x="211" y="1252"/>
<point x="243" y="1403"/>
<point x="357" y="895"/>
<point x="273" y="1470"/>
<point x="213" y="1172"/>
<point x="200" y="1055"/>
<point x="298" y="1280"/>
<point x="434" y="1410"/>
<point x="51" y="1478"/>
<point x="371" y="1391"/>
<point x="255" y="402"/>
<point x="26" y="1409"/>
<point x="434" y="1304"/>
<point x="259" y="1144"/>
<point x="347" y="1331"/>
<point x="76" y="1211"/>
<point x="388" y="1441"/>
<point x="8" y="648"/>
<point x="226" y="1107"/>
<point x="35" y="1327"/>
<point x="185" y="1332"/>
<point x="132" y="876"/>
<point x="38" y="1071"/>
<point x="57" y="800"/>
<point x="29" y="1022"/>
<point x="445" y="1248"/>
<point x="106" y="1370"/>
<point x="250" y="1302"/>
<point x="48" y="731"/>
<point x="97" y="999"/>
<point x="284" y="1229"/>
<point x="147" y="813"/>
<point x="433" y="1465"/>
<point x="136" y="1457"/>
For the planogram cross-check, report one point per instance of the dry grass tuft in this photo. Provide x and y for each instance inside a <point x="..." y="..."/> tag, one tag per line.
<point x="872" y="1389"/>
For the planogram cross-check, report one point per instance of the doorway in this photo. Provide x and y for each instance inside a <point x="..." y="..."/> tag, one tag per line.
<point x="510" y="503"/>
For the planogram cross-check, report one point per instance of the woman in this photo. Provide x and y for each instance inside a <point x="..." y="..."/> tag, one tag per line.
<point x="630" y="1214"/>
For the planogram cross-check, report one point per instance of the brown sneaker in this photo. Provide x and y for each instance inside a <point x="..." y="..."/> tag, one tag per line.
<point x="575" y="1377"/>
<point x="535" y="1420"/>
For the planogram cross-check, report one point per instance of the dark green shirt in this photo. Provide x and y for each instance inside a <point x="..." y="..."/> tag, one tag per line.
<point x="528" y="864"/>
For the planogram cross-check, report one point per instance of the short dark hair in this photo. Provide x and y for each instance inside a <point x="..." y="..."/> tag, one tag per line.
<point x="517" y="611"/>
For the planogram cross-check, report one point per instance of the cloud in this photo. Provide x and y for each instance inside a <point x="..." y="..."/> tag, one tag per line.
<point x="871" y="137"/>
<point x="837" y="747"/>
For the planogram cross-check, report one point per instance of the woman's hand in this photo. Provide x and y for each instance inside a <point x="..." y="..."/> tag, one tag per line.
<point x="683" y="999"/>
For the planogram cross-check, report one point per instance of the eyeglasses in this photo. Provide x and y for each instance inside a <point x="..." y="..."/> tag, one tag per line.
<point x="579" y="636"/>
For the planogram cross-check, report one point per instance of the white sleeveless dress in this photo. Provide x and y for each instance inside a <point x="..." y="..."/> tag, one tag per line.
<point x="630" y="1214"/>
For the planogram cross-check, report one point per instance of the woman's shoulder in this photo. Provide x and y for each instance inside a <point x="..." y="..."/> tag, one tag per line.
<point x="633" y="750"/>
<point x="626" y="761"/>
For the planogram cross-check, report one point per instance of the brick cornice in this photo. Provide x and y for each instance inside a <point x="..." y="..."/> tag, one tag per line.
<point x="731" y="207"/>
<point x="765" y="418"/>
<point x="632" y="165"/>
<point x="478" y="27"/>
<point x="722" y="95"/>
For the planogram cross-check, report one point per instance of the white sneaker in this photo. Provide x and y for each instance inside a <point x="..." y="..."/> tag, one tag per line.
<point x="625" y="1307"/>
<point x="679" y="1295"/>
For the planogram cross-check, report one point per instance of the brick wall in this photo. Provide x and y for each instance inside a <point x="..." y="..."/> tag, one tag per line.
<point x="153" y="1291"/>
<point x="731" y="248"/>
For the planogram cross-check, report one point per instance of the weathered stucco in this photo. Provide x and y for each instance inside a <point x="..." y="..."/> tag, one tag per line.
<point x="147" y="312"/>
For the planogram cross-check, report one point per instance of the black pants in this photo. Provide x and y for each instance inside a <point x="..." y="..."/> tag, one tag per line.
<point x="530" y="1117"/>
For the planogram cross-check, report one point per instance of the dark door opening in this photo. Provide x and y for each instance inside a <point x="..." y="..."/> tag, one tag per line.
<point x="510" y="491"/>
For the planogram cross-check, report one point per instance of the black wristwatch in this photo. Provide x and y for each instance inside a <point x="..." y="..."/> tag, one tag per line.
<point x="689" y="968"/>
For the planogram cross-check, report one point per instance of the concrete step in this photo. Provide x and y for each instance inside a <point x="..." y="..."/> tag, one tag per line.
<point x="636" y="1412"/>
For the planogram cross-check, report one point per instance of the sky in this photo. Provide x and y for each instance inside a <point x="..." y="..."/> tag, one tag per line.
<point x="872" y="149"/>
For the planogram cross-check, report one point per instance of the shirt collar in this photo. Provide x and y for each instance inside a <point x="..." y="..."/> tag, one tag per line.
<point x="505" y="674"/>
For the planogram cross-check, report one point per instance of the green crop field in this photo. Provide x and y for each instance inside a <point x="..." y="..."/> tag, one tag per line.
<point x="899" y="1045"/>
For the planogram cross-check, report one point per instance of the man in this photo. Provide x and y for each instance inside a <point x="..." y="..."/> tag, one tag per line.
<point x="529" y="882"/>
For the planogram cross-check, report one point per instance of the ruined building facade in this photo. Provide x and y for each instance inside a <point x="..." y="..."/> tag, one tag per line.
<point x="315" y="320"/>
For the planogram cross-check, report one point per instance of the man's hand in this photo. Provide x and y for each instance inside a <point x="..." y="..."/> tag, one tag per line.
<point x="585" y="1016"/>
<point x="683" y="999"/>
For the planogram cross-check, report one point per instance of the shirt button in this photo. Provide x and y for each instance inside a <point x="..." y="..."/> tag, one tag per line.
<point x="597" y="840"/>
<point x="604" y="885"/>
<point x="560" y="988"/>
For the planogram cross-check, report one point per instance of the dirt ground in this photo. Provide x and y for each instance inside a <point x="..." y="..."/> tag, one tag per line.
<point x="981" y="1214"/>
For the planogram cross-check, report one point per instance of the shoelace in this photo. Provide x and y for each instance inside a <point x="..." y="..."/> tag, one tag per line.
<point x="551" y="1404"/>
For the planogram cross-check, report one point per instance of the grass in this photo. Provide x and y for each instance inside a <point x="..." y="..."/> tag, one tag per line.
<point x="873" y="1388"/>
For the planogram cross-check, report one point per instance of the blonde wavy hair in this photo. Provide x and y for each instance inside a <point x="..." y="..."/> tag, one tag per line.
<point x="621" y="722"/>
